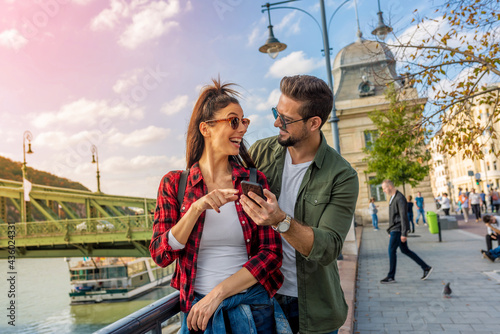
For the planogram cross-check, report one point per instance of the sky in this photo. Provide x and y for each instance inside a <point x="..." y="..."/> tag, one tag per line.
<point x="124" y="75"/>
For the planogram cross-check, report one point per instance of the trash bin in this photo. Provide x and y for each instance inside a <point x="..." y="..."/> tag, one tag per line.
<point x="432" y="221"/>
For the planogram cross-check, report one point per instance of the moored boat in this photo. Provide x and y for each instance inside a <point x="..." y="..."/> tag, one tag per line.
<point x="114" y="279"/>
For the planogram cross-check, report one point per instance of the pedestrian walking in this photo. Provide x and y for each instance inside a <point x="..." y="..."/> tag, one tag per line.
<point x="398" y="230"/>
<point x="373" y="211"/>
<point x="464" y="203"/>
<point x="410" y="213"/>
<point x="483" y="199"/>
<point x="495" y="200"/>
<point x="445" y="204"/>
<point x="475" y="204"/>
<point x="419" y="202"/>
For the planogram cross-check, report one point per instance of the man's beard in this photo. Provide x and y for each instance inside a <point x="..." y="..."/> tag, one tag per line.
<point x="291" y="140"/>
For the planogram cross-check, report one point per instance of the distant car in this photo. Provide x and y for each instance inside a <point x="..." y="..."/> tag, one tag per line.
<point x="101" y="225"/>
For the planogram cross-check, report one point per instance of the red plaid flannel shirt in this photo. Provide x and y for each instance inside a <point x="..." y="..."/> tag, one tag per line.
<point x="262" y="243"/>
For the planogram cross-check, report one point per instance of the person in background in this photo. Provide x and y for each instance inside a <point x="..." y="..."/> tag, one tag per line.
<point x="373" y="211"/>
<point x="419" y="202"/>
<point x="216" y="272"/>
<point x="398" y="230"/>
<point x="492" y="223"/>
<point x="483" y="201"/>
<point x="464" y="203"/>
<point x="410" y="213"/>
<point x="475" y="204"/>
<point x="495" y="200"/>
<point x="445" y="204"/>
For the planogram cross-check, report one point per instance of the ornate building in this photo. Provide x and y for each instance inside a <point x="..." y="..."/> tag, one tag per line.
<point x="361" y="72"/>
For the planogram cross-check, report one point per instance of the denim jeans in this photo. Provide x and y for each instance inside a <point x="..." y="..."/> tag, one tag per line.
<point x="375" y="221"/>
<point x="290" y="307"/>
<point x="420" y="212"/>
<point x="495" y="252"/>
<point x="410" y="219"/>
<point x="394" y="243"/>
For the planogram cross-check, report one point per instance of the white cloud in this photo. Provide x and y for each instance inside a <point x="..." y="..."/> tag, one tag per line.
<point x="82" y="2"/>
<point x="272" y="101"/>
<point x="293" y="64"/>
<point x="12" y="39"/>
<point x="86" y="112"/>
<point x="110" y="17"/>
<point x="140" y="163"/>
<point x="175" y="106"/>
<point x="289" y="24"/>
<point x="128" y="80"/>
<point x="150" y="23"/>
<point x="140" y="137"/>
<point x="59" y="140"/>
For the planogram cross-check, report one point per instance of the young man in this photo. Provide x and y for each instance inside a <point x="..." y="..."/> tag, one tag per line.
<point x="475" y="204"/>
<point x="311" y="204"/>
<point x="419" y="202"/>
<point x="398" y="229"/>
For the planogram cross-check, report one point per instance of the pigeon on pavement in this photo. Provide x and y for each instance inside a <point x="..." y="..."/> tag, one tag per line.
<point x="447" y="291"/>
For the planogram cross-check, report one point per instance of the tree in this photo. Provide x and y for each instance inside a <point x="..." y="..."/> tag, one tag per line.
<point x="399" y="152"/>
<point x="455" y="58"/>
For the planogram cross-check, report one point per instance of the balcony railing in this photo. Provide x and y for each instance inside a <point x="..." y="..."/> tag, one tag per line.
<point x="149" y="319"/>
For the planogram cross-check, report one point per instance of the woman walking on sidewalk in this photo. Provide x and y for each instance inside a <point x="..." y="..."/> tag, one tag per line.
<point x="373" y="211"/>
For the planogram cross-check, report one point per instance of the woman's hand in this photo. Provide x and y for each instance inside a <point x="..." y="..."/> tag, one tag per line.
<point x="215" y="199"/>
<point x="201" y="312"/>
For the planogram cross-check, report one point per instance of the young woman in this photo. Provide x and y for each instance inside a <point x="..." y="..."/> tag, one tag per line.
<point x="373" y="211"/>
<point x="223" y="258"/>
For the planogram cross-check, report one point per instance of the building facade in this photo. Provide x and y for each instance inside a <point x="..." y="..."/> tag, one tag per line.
<point x="361" y="72"/>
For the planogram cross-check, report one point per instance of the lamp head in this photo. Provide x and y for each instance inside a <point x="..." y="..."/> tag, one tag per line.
<point x="93" y="158"/>
<point x="272" y="47"/>
<point x="29" y="149"/>
<point x="382" y="29"/>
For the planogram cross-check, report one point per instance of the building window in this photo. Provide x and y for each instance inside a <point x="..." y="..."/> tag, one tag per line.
<point x="370" y="137"/>
<point x="376" y="192"/>
<point x="494" y="165"/>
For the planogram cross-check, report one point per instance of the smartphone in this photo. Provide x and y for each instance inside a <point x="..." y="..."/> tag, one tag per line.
<point x="254" y="187"/>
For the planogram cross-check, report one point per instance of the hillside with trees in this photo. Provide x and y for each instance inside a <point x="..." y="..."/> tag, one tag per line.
<point x="11" y="170"/>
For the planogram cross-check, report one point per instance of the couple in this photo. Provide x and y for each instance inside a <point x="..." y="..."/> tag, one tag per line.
<point x="229" y="248"/>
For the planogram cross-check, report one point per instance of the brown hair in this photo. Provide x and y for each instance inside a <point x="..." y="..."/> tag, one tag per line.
<point x="314" y="93"/>
<point x="212" y="98"/>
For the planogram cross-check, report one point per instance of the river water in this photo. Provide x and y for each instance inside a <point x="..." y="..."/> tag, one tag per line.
<point x="43" y="305"/>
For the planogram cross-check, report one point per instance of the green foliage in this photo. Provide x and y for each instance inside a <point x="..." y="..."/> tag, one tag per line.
<point x="11" y="170"/>
<point x="399" y="152"/>
<point x="456" y="64"/>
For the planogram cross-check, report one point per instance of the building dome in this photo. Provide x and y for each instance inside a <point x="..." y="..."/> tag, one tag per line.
<point x="363" y="68"/>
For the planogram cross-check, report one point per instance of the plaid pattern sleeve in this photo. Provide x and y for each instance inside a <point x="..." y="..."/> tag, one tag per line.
<point x="265" y="250"/>
<point x="166" y="216"/>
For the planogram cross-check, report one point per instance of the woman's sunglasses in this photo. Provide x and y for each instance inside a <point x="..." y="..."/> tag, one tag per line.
<point x="233" y="121"/>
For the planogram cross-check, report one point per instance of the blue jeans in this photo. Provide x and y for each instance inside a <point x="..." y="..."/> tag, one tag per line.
<point x="410" y="219"/>
<point x="375" y="221"/>
<point x="495" y="252"/>
<point x="290" y="307"/>
<point x="394" y="243"/>
<point x="420" y="212"/>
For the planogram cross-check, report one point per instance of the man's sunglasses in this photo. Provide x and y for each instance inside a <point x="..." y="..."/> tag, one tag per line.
<point x="276" y="114"/>
<point x="233" y="121"/>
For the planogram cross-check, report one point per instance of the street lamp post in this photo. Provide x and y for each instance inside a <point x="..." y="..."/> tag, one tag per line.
<point x="95" y="160"/>
<point x="382" y="30"/>
<point x="272" y="50"/>
<point x="27" y="136"/>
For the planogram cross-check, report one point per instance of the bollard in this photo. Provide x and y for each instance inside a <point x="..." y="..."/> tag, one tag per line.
<point x="439" y="228"/>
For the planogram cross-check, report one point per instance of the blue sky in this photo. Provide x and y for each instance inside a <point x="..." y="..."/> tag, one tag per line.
<point x="124" y="75"/>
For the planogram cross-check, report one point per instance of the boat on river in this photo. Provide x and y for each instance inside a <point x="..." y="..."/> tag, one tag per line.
<point x="96" y="280"/>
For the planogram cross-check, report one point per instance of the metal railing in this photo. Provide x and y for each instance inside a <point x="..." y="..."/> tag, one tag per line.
<point x="149" y="319"/>
<point x="82" y="226"/>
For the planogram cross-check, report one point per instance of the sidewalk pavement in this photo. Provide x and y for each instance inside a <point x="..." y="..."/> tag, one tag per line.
<point x="415" y="306"/>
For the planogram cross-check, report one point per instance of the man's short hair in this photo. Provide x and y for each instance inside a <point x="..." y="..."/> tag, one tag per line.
<point x="314" y="93"/>
<point x="486" y="219"/>
<point x="388" y="182"/>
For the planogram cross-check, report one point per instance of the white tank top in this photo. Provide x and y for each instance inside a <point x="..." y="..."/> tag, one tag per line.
<point x="222" y="249"/>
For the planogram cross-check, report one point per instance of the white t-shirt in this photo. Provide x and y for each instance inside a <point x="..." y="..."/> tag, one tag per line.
<point x="496" y="225"/>
<point x="474" y="198"/>
<point x="222" y="249"/>
<point x="290" y="185"/>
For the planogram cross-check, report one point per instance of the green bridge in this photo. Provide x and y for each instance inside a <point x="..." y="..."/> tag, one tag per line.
<point x="77" y="223"/>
